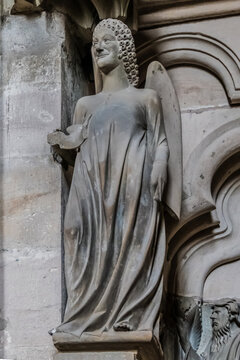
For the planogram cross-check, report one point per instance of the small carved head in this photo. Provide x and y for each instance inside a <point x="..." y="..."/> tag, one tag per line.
<point x="112" y="44"/>
<point x="220" y="317"/>
<point x="223" y="313"/>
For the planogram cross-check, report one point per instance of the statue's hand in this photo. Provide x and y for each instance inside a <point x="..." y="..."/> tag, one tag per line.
<point x="55" y="138"/>
<point x="158" y="180"/>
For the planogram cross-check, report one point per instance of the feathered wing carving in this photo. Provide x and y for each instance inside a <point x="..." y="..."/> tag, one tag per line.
<point x="188" y="320"/>
<point x="196" y="327"/>
<point x="158" y="79"/>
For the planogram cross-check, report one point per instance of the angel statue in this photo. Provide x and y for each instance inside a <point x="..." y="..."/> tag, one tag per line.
<point x="114" y="232"/>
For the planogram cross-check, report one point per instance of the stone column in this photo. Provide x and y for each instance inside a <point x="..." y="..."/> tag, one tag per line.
<point x="35" y="73"/>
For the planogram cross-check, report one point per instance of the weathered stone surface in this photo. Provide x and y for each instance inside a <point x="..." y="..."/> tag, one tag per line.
<point x="31" y="186"/>
<point x="163" y="11"/>
<point x="229" y="275"/>
<point x="204" y="248"/>
<point x="34" y="68"/>
<point x="96" y="356"/>
<point x="198" y="90"/>
<point x="6" y="6"/>
<point x="204" y="105"/>
<point x="25" y="7"/>
<point x="31" y="197"/>
<point x="189" y="44"/>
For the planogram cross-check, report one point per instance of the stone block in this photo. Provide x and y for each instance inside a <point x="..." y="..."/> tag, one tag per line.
<point x="6" y="6"/>
<point x="129" y="355"/>
<point x="31" y="186"/>
<point x="142" y="343"/>
<point x="32" y="35"/>
<point x="31" y="212"/>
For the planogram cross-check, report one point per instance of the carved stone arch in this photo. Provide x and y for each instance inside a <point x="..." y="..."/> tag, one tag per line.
<point x="195" y="49"/>
<point x="210" y="250"/>
<point x="211" y="175"/>
<point x="201" y="167"/>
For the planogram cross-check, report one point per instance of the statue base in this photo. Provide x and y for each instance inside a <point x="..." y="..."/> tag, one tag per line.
<point x="117" y="355"/>
<point x="141" y="345"/>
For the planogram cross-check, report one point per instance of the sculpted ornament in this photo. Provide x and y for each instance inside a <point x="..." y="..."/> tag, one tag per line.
<point x="26" y="7"/>
<point x="114" y="232"/>
<point x="225" y="341"/>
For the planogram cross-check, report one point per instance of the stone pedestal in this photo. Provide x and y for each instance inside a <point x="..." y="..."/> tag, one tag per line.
<point x="104" y="355"/>
<point x="135" y="344"/>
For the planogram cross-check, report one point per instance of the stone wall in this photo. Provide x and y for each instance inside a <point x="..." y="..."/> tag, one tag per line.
<point x="203" y="61"/>
<point x="36" y="97"/>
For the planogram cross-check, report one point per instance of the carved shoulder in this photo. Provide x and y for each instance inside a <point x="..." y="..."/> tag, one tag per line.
<point x="150" y="98"/>
<point x="82" y="103"/>
<point x="81" y="109"/>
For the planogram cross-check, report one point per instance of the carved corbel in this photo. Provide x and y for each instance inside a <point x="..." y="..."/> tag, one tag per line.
<point x="112" y="9"/>
<point x="26" y="7"/>
<point x="82" y="13"/>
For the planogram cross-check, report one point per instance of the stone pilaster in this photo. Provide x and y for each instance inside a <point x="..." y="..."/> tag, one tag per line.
<point x="35" y="74"/>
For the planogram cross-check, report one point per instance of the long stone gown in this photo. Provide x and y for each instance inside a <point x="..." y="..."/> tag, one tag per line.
<point x="114" y="229"/>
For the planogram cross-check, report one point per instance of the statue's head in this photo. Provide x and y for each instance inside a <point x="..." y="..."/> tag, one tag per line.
<point x="113" y="45"/>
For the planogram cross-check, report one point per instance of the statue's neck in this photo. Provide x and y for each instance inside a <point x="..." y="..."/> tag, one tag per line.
<point x="115" y="80"/>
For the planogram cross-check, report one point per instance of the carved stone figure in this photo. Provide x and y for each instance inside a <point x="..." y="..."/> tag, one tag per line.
<point x="114" y="224"/>
<point x="225" y="341"/>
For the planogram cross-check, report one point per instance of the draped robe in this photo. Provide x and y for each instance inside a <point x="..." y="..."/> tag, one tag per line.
<point x="114" y="234"/>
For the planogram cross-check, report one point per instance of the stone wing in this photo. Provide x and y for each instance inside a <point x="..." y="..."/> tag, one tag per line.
<point x="158" y="79"/>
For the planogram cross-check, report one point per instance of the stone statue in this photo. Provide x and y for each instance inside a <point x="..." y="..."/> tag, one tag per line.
<point x="225" y="341"/>
<point x="114" y="224"/>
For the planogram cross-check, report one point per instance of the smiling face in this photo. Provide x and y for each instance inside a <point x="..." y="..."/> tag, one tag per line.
<point x="106" y="50"/>
<point x="220" y="317"/>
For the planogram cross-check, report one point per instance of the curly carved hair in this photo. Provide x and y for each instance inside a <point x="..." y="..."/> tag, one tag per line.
<point x="126" y="44"/>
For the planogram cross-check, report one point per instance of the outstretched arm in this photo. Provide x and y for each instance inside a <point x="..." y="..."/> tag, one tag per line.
<point x="64" y="145"/>
<point x="72" y="140"/>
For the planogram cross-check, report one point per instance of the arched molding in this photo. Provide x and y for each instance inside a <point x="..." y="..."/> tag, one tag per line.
<point x="197" y="245"/>
<point x="198" y="50"/>
<point x="162" y="12"/>
<point x="197" y="260"/>
<point x="199" y="171"/>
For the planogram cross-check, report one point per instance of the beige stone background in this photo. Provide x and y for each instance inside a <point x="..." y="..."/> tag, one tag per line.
<point x="30" y="187"/>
